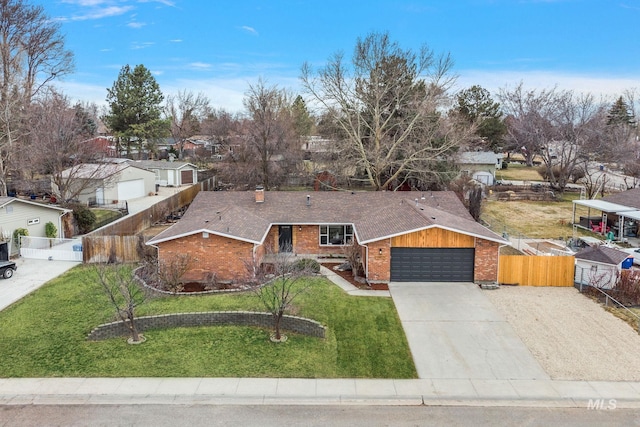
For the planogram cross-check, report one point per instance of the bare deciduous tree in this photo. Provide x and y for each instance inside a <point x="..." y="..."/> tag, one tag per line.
<point x="386" y="105"/>
<point x="57" y="145"/>
<point x="559" y="126"/>
<point x="169" y="273"/>
<point x="279" y="283"/>
<point x="269" y="151"/>
<point x="353" y="255"/>
<point x="186" y="111"/>
<point x="32" y="54"/>
<point x="124" y="292"/>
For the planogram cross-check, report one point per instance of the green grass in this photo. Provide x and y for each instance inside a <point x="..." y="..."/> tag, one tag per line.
<point x="104" y="214"/>
<point x="44" y="335"/>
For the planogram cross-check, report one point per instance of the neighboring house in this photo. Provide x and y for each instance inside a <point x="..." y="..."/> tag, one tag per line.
<point x="104" y="145"/>
<point x="170" y="173"/>
<point x="401" y="236"/>
<point x="106" y="183"/>
<point x="32" y="216"/>
<point x="480" y="165"/>
<point x="600" y="266"/>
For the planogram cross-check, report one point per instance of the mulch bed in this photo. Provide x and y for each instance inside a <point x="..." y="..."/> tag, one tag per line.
<point x="346" y="275"/>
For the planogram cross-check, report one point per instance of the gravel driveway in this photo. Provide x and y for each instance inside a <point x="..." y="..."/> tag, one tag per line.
<point x="571" y="336"/>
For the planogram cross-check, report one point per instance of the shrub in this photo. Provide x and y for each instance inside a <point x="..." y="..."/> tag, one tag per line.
<point x="307" y="264"/>
<point x="85" y="218"/>
<point x="629" y="286"/>
<point x="19" y="232"/>
<point x="51" y="230"/>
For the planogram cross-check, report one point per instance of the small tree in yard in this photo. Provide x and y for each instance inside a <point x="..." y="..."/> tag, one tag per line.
<point x="124" y="292"/>
<point x="170" y="272"/>
<point x="353" y="256"/>
<point x="277" y="287"/>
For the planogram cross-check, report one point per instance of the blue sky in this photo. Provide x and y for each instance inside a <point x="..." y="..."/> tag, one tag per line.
<point x="219" y="47"/>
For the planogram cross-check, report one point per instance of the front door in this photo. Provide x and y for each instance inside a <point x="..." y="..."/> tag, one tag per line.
<point x="285" y="238"/>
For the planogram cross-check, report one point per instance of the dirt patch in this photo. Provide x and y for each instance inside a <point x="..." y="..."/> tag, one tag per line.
<point x="570" y="335"/>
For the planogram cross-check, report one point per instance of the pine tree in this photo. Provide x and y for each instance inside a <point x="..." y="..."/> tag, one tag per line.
<point x="620" y="114"/>
<point x="135" y="108"/>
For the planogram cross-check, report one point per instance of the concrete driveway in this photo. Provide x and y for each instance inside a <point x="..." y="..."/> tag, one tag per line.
<point x="31" y="274"/>
<point x="454" y="331"/>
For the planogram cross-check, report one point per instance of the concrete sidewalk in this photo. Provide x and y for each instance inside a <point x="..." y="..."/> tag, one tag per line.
<point x="293" y="391"/>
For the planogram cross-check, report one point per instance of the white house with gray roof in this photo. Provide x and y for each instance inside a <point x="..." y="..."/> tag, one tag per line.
<point x="480" y="165"/>
<point x="170" y="173"/>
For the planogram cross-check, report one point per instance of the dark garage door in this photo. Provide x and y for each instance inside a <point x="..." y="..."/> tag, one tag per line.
<point x="186" y="177"/>
<point x="432" y="264"/>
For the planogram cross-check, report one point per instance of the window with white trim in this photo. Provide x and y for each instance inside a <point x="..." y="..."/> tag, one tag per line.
<point x="336" y="234"/>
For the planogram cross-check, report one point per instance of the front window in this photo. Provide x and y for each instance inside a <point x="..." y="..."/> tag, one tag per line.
<point x="338" y="234"/>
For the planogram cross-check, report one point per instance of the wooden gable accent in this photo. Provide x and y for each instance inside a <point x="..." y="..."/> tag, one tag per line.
<point x="433" y="238"/>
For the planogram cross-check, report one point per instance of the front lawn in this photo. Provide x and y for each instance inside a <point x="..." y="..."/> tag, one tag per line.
<point x="44" y="335"/>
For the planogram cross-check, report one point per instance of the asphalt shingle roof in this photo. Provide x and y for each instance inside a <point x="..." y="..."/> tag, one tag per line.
<point x="374" y="215"/>
<point x="160" y="164"/>
<point x="602" y="254"/>
<point x="629" y="198"/>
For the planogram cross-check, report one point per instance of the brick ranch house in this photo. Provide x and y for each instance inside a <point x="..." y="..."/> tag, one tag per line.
<point x="403" y="236"/>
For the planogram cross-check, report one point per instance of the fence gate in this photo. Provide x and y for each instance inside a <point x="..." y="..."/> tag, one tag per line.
<point x="51" y="249"/>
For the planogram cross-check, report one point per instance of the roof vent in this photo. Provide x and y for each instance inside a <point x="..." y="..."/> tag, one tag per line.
<point x="308" y="200"/>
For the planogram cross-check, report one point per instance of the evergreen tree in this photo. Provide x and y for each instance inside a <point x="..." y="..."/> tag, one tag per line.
<point x="135" y="109"/>
<point x="302" y="120"/>
<point x="475" y="105"/>
<point x="620" y="114"/>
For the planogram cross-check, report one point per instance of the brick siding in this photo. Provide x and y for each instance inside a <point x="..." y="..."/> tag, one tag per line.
<point x="486" y="261"/>
<point x="225" y="257"/>
<point x="295" y="324"/>
<point x="379" y="263"/>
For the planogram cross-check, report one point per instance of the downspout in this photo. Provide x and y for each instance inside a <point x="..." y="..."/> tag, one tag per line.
<point x="60" y="229"/>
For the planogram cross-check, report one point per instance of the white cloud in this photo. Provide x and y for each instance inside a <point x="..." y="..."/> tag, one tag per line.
<point x="598" y="85"/>
<point x="98" y="13"/>
<point x="164" y="2"/>
<point x="176" y="40"/>
<point x="85" y="2"/>
<point x="84" y="92"/>
<point x="141" y="45"/>
<point x="136" y="25"/>
<point x="249" y="30"/>
<point x="200" y="65"/>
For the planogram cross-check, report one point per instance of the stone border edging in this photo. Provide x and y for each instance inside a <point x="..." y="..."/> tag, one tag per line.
<point x="211" y="318"/>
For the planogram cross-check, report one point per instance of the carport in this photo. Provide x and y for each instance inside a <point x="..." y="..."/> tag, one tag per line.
<point x="607" y="209"/>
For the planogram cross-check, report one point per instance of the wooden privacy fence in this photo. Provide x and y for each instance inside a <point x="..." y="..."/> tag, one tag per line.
<point x="118" y="241"/>
<point x="111" y="248"/>
<point x="536" y="270"/>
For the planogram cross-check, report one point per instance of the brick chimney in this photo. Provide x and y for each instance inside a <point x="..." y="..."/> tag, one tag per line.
<point x="259" y="194"/>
